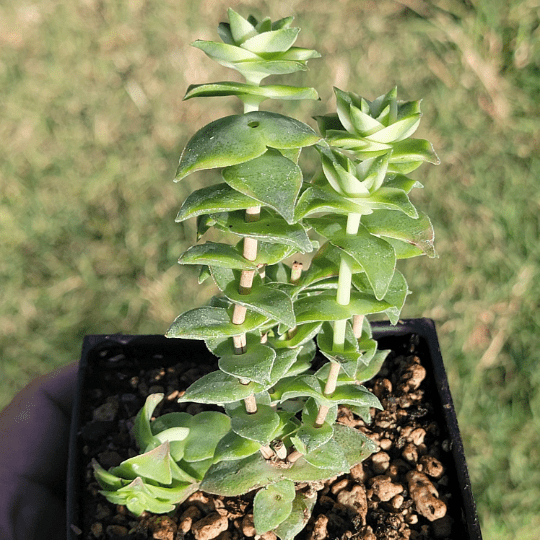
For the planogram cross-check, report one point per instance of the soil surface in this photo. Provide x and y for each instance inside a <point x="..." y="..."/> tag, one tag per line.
<point x="403" y="491"/>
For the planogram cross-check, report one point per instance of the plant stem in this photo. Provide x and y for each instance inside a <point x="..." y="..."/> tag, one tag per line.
<point x="343" y="297"/>
<point x="246" y="283"/>
<point x="294" y="456"/>
<point x="296" y="274"/>
<point x="358" y="323"/>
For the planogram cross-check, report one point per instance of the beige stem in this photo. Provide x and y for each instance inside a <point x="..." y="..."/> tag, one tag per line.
<point x="251" y="404"/>
<point x="294" y="456"/>
<point x="296" y="274"/>
<point x="267" y="452"/>
<point x="358" y="323"/>
<point x="246" y="283"/>
<point x="331" y="383"/>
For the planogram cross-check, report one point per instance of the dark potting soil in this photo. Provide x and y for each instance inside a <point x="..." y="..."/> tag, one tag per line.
<point x="403" y="491"/>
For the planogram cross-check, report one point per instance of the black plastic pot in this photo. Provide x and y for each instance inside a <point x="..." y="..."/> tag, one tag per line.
<point x="104" y="354"/>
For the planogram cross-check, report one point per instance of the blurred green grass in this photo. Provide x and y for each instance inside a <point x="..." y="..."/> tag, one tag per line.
<point x="92" y="126"/>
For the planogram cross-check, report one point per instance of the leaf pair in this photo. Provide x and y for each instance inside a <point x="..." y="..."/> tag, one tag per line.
<point x="235" y="477"/>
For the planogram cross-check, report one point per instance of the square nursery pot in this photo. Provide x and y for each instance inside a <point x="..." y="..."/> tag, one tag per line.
<point x="417" y="432"/>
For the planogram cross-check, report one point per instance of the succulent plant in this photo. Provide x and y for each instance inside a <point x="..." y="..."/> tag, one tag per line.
<point x="278" y="433"/>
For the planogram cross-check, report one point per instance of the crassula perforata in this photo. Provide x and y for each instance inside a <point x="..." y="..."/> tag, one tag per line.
<point x="278" y="432"/>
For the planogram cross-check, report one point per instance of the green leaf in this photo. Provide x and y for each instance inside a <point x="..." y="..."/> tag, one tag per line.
<point x="239" y="138"/>
<point x="196" y="469"/>
<point x="363" y="123"/>
<point x="259" y="426"/>
<point x="106" y="479"/>
<point x="271" y="179"/>
<point x="270" y="302"/>
<point x="271" y="253"/>
<point x="274" y="91"/>
<point x="254" y="365"/>
<point x="302" y="508"/>
<point x="282" y="23"/>
<point x="264" y="26"/>
<point x="216" y="255"/>
<point x="338" y="171"/>
<point x="285" y="359"/>
<point x="376" y="256"/>
<point x="365" y="373"/>
<point x="304" y="359"/>
<point x="390" y="224"/>
<point x="368" y="346"/>
<point x="310" y="412"/>
<point x="329" y="122"/>
<point x="391" y="199"/>
<point x="363" y="148"/>
<point x="328" y="456"/>
<point x="206" y="429"/>
<point x="218" y="388"/>
<point x="395" y="296"/>
<point x="241" y="29"/>
<point x="349" y="357"/>
<point x="154" y="464"/>
<point x="300" y="54"/>
<point x="236" y="477"/>
<point x="325" y="264"/>
<point x="173" y="434"/>
<point x="272" y="42"/>
<point x="269" y="227"/>
<point x="303" y="334"/>
<point x="204" y="223"/>
<point x="213" y="199"/>
<point x="211" y="322"/>
<point x="316" y="199"/>
<point x="344" y="102"/>
<point x="399" y="181"/>
<point x="138" y="497"/>
<point x="354" y="444"/>
<point x="224" y="53"/>
<point x="300" y="386"/>
<point x="353" y="394"/>
<point x="234" y="447"/>
<point x="414" y="150"/>
<point x="324" y="307"/>
<point x="289" y="62"/>
<point x="224" y="346"/>
<point x="141" y="428"/>
<point x="273" y="505"/>
<point x="177" y="493"/>
<point x="204" y="274"/>
<point x="267" y="254"/>
<point x="224" y="32"/>
<point x="373" y="254"/>
<point x="173" y="427"/>
<point x="313" y="437"/>
<point x="398" y="130"/>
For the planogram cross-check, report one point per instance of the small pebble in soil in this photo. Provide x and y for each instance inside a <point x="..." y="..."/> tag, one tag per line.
<point x="209" y="527"/>
<point x="425" y="496"/>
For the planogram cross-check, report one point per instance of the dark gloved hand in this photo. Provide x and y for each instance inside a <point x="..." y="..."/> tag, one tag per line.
<point x="34" y="434"/>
